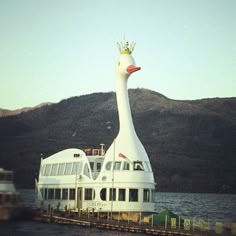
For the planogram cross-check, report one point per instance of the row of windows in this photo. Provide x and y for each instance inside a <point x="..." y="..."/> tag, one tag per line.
<point x="58" y="193"/>
<point x="120" y="195"/>
<point x="76" y="167"/>
<point x="137" y="165"/>
<point x="106" y="194"/>
<point x="62" y="169"/>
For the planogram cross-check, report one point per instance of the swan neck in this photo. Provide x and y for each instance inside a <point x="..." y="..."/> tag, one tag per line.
<point x="125" y="117"/>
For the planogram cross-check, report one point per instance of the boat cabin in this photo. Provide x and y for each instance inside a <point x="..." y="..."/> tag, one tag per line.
<point x="73" y="180"/>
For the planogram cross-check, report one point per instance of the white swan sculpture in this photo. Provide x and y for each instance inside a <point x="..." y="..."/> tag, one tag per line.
<point x="127" y="145"/>
<point x="120" y="180"/>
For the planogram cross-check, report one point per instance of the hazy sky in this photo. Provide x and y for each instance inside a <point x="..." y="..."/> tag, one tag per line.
<point x="55" y="49"/>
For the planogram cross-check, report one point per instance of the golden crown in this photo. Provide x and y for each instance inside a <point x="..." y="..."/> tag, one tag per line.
<point x="125" y="47"/>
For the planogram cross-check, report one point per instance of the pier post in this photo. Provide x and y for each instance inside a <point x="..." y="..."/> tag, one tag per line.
<point x="166" y="221"/>
<point x="152" y="220"/>
<point x="41" y="206"/>
<point x="48" y="210"/>
<point x="193" y="223"/>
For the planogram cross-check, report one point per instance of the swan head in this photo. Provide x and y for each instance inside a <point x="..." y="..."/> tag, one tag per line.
<point x="126" y="65"/>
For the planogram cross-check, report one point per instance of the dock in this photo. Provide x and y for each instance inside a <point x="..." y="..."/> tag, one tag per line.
<point x="111" y="224"/>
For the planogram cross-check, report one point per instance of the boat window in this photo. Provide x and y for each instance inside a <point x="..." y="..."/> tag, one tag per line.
<point x="45" y="193"/>
<point x="138" y="165"/>
<point x="99" y="166"/>
<point x="126" y="165"/>
<point x="146" y="195"/>
<point x="117" y="165"/>
<point x="121" y="194"/>
<point x="91" y="166"/>
<point x="88" y="194"/>
<point x="47" y="170"/>
<point x="76" y="154"/>
<point x="64" y="194"/>
<point x="1" y="176"/>
<point x="51" y="193"/>
<point x="68" y="168"/>
<point x="61" y="168"/>
<point x="108" y="165"/>
<point x="41" y="191"/>
<point x="1" y="199"/>
<point x="57" y="194"/>
<point x="80" y="165"/>
<point x="112" y="195"/>
<point x="86" y="170"/>
<point x="42" y="169"/>
<point x="54" y="169"/>
<point x="72" y="194"/>
<point x="133" y="195"/>
<point x="103" y="194"/>
<point x="76" y="168"/>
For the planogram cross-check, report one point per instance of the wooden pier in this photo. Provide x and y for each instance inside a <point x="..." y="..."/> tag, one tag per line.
<point x="110" y="224"/>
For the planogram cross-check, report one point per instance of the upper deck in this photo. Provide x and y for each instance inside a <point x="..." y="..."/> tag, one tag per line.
<point x="93" y="166"/>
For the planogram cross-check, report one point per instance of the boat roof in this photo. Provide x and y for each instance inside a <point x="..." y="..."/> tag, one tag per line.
<point x="67" y="155"/>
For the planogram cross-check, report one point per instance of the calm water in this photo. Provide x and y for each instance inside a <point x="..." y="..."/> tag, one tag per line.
<point x="218" y="207"/>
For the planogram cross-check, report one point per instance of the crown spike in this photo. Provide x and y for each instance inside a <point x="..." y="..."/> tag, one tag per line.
<point x="125" y="47"/>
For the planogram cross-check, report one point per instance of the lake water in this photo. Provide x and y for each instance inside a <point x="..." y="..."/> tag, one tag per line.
<point x="213" y="207"/>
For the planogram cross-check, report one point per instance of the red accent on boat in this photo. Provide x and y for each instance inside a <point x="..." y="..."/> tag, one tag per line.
<point x="122" y="155"/>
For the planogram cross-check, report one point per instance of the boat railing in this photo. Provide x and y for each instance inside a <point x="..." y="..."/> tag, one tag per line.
<point x="94" y="152"/>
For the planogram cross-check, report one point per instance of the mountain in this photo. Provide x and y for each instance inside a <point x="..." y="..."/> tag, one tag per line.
<point x="6" y="112"/>
<point x="191" y="144"/>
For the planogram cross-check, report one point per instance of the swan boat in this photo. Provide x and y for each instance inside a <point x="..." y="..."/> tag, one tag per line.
<point x="117" y="180"/>
<point x="10" y="202"/>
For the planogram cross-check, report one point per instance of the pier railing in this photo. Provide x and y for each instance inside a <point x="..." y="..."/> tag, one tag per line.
<point x="185" y="225"/>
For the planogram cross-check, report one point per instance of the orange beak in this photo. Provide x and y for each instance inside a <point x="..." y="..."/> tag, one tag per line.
<point x="130" y="69"/>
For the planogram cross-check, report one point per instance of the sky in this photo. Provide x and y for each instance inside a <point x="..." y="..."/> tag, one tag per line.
<point x="55" y="49"/>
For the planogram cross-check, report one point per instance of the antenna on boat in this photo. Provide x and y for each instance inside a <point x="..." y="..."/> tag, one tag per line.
<point x="112" y="184"/>
<point x="102" y="149"/>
